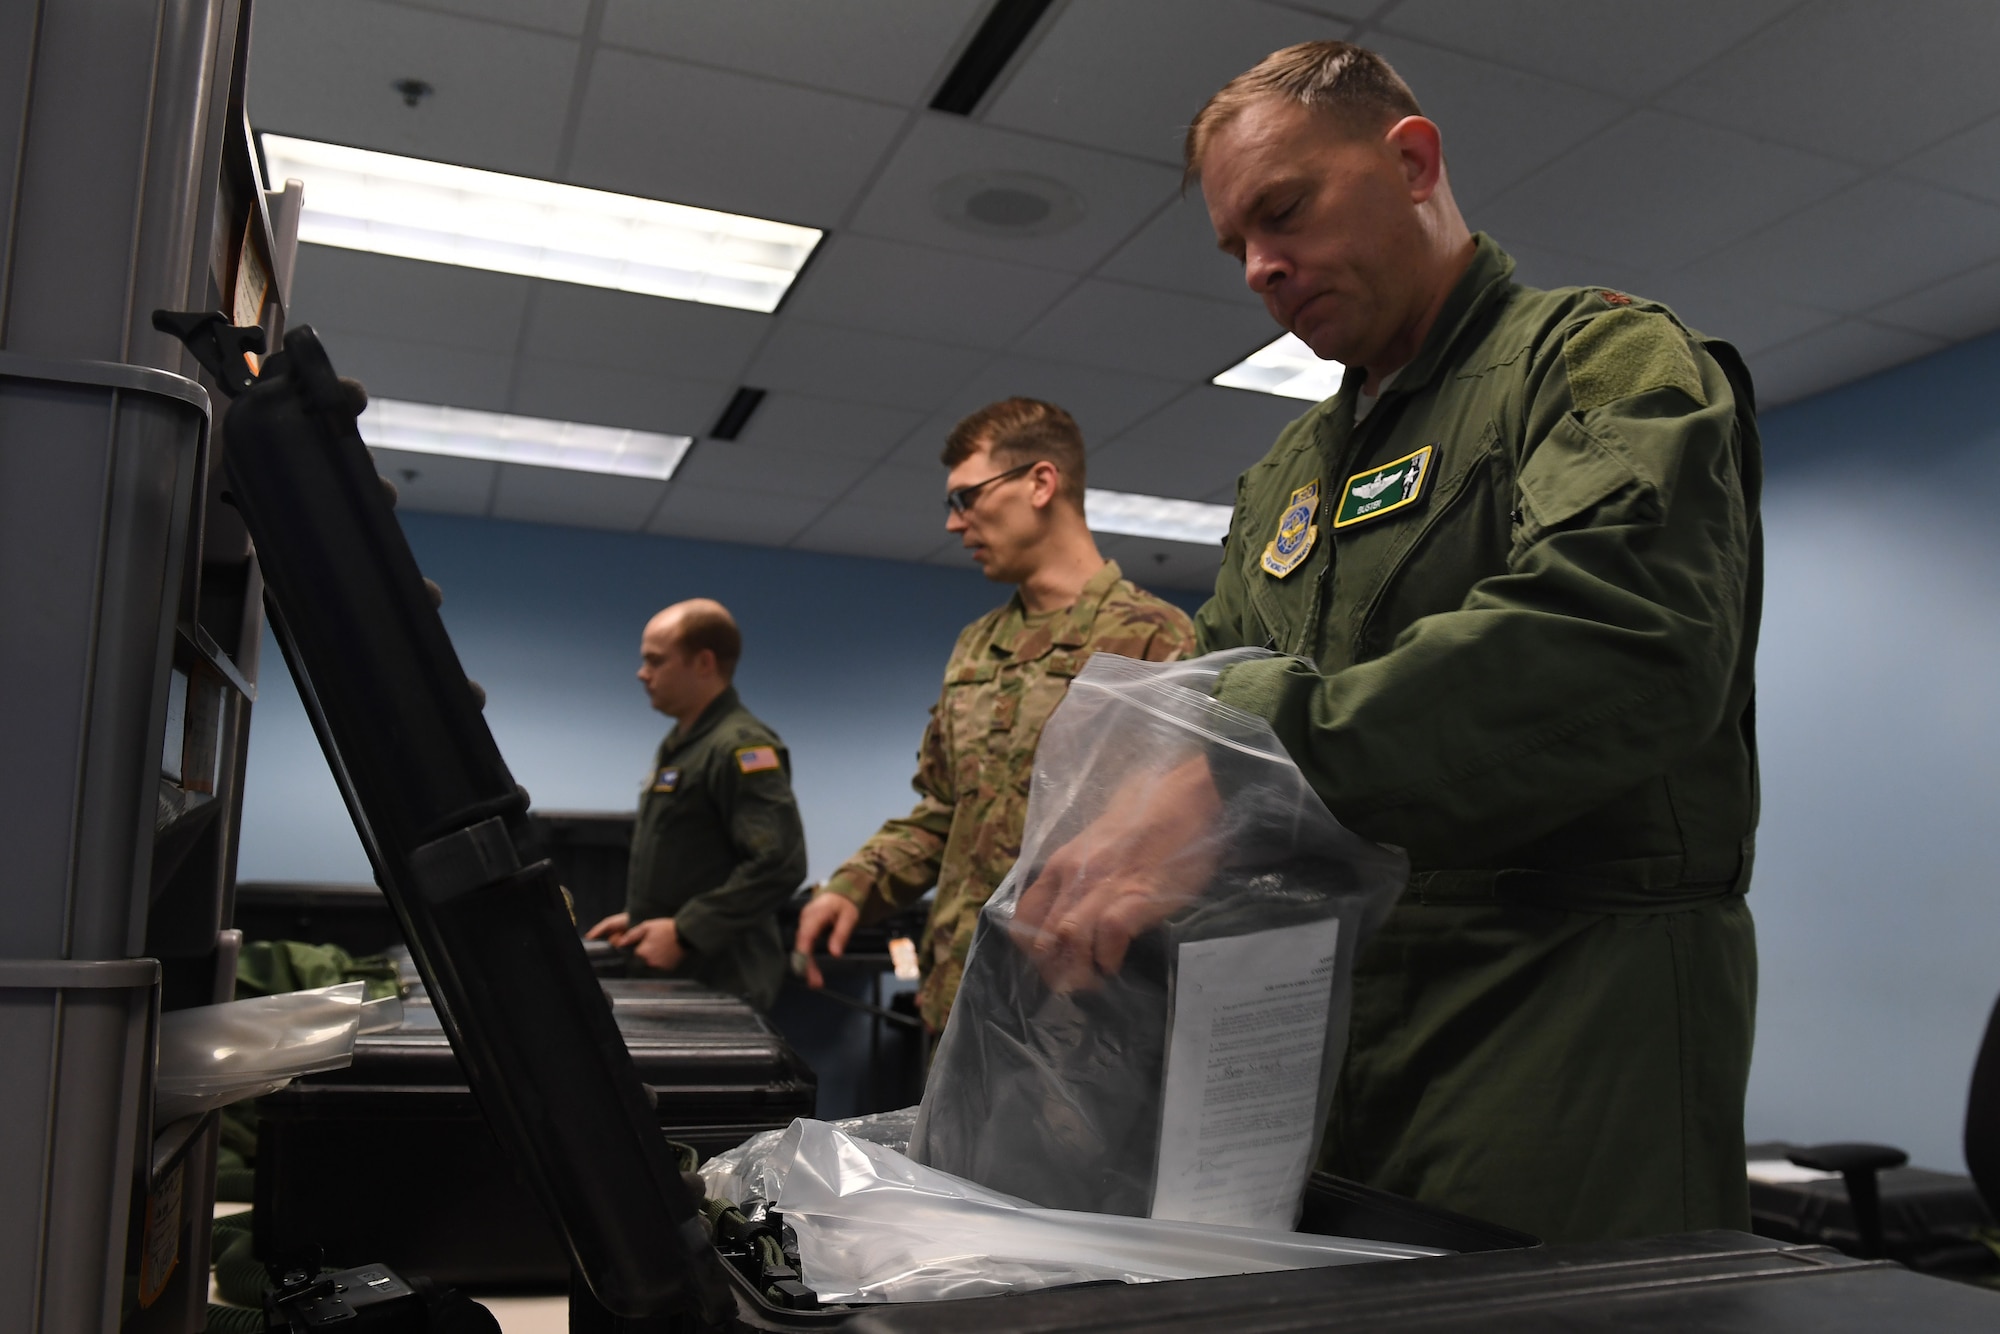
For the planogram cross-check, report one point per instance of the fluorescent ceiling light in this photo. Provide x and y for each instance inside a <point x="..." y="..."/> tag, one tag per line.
<point x="1287" y="367"/>
<point x="362" y="200"/>
<point x="1155" y="516"/>
<point x="426" y="428"/>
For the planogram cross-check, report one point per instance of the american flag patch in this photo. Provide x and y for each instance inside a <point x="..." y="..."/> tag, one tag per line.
<point x="757" y="759"/>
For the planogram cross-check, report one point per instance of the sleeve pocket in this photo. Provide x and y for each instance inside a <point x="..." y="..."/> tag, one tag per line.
<point x="1571" y="474"/>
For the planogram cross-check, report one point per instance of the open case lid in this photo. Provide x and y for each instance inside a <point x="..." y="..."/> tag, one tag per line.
<point x="445" y="826"/>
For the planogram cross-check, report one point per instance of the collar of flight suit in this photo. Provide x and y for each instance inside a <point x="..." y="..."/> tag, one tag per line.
<point x="1484" y="282"/>
<point x="680" y="739"/>
<point x="1067" y="628"/>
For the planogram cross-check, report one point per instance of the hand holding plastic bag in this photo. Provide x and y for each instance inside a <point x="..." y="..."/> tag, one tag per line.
<point x="1154" y="1010"/>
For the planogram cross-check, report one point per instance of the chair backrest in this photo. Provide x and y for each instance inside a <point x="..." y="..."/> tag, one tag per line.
<point x="1982" y="1116"/>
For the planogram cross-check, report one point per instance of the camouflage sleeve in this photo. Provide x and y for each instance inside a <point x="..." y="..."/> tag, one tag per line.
<point x="894" y="868"/>
<point x="770" y="844"/>
<point x="1143" y="626"/>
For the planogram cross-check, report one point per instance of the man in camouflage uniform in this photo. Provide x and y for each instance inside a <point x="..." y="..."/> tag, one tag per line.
<point x="1515" y="568"/>
<point x="1015" y="497"/>
<point x="718" y="845"/>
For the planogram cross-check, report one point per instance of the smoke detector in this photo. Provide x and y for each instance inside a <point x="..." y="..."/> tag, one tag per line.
<point x="1008" y="203"/>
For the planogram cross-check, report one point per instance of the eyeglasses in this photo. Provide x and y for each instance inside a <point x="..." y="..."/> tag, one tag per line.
<point x="961" y="499"/>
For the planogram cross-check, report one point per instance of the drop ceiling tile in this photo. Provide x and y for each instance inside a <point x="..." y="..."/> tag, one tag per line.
<point x="579" y="499"/>
<point x="857" y="367"/>
<point x="1176" y="250"/>
<point x="801" y="421"/>
<point x="852" y="529"/>
<point x="429" y="303"/>
<point x="1103" y="402"/>
<point x="888" y="50"/>
<point x="1869" y="244"/>
<point x="731" y="465"/>
<point x="632" y="332"/>
<point x="1963" y="306"/>
<point x="1168" y="334"/>
<point x="1539" y="267"/>
<point x="324" y="70"/>
<point x="1748" y="322"/>
<point x="1499" y="124"/>
<point x="564" y="16"/>
<point x="1196" y="445"/>
<point x="1658" y="191"/>
<point x="571" y="391"/>
<point x="1968" y="162"/>
<point x="908" y="489"/>
<point x="1626" y="50"/>
<point x="917" y="291"/>
<point x="437" y="483"/>
<point x="1871" y="81"/>
<point x="1152" y="563"/>
<point x="726" y="141"/>
<point x="1832" y="356"/>
<point x="718" y="514"/>
<point x="1118" y="194"/>
<point x="422" y="372"/>
<point x="1128" y="75"/>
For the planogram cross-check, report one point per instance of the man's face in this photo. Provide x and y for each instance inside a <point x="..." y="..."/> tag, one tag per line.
<point x="668" y="675"/>
<point x="1324" y="224"/>
<point x="1001" y="526"/>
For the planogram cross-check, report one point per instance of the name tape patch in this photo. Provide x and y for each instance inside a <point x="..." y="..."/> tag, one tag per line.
<point x="1382" y="491"/>
<point x="757" y="759"/>
<point x="666" y="780"/>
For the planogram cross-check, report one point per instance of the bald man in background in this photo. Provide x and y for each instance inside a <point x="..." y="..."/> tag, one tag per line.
<point x="718" y="845"/>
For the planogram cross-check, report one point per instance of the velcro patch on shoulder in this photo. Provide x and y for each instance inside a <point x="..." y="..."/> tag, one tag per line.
<point x="1627" y="351"/>
<point x="757" y="759"/>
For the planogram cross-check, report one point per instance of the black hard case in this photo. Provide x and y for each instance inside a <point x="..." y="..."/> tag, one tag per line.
<point x="715" y="1072"/>
<point x="444" y="826"/>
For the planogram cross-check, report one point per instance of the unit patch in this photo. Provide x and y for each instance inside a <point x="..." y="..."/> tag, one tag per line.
<point x="1384" y="490"/>
<point x="1296" y="532"/>
<point x="757" y="759"/>
<point x="666" y="780"/>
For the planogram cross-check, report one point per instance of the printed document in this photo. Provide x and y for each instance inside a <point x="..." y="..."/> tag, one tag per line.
<point x="1244" y="1048"/>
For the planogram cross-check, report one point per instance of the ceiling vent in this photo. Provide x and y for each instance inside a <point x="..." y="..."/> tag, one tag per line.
<point x="1008" y="203"/>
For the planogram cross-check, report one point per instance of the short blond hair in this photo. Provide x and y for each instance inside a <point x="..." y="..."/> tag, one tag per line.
<point x="1351" y="82"/>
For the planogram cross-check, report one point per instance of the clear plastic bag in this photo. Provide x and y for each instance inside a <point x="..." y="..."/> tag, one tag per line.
<point x="213" y="1055"/>
<point x="748" y="1176"/>
<point x="1190" y="1078"/>
<point x="873" y="1226"/>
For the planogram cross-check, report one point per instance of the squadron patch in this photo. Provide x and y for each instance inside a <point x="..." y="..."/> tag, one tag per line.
<point x="666" y="780"/>
<point x="1296" y="532"/>
<point x="1384" y="490"/>
<point x="757" y="759"/>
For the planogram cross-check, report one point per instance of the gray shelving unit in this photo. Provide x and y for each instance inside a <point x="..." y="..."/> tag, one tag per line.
<point x="130" y="619"/>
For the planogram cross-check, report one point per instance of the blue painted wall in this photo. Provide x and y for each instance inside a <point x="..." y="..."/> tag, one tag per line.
<point x="842" y="655"/>
<point x="1877" y="891"/>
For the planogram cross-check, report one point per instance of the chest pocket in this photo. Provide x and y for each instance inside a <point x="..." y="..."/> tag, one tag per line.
<point x="1392" y="572"/>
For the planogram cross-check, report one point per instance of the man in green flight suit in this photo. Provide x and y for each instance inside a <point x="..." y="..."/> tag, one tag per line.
<point x="1014" y="497"/>
<point x="718" y="845"/>
<point x="1515" y="564"/>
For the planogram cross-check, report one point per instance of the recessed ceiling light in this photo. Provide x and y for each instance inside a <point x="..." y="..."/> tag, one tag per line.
<point x="363" y="200"/>
<point x="1155" y="516"/>
<point x="1287" y="368"/>
<point x="1008" y="203"/>
<point x="429" y="428"/>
